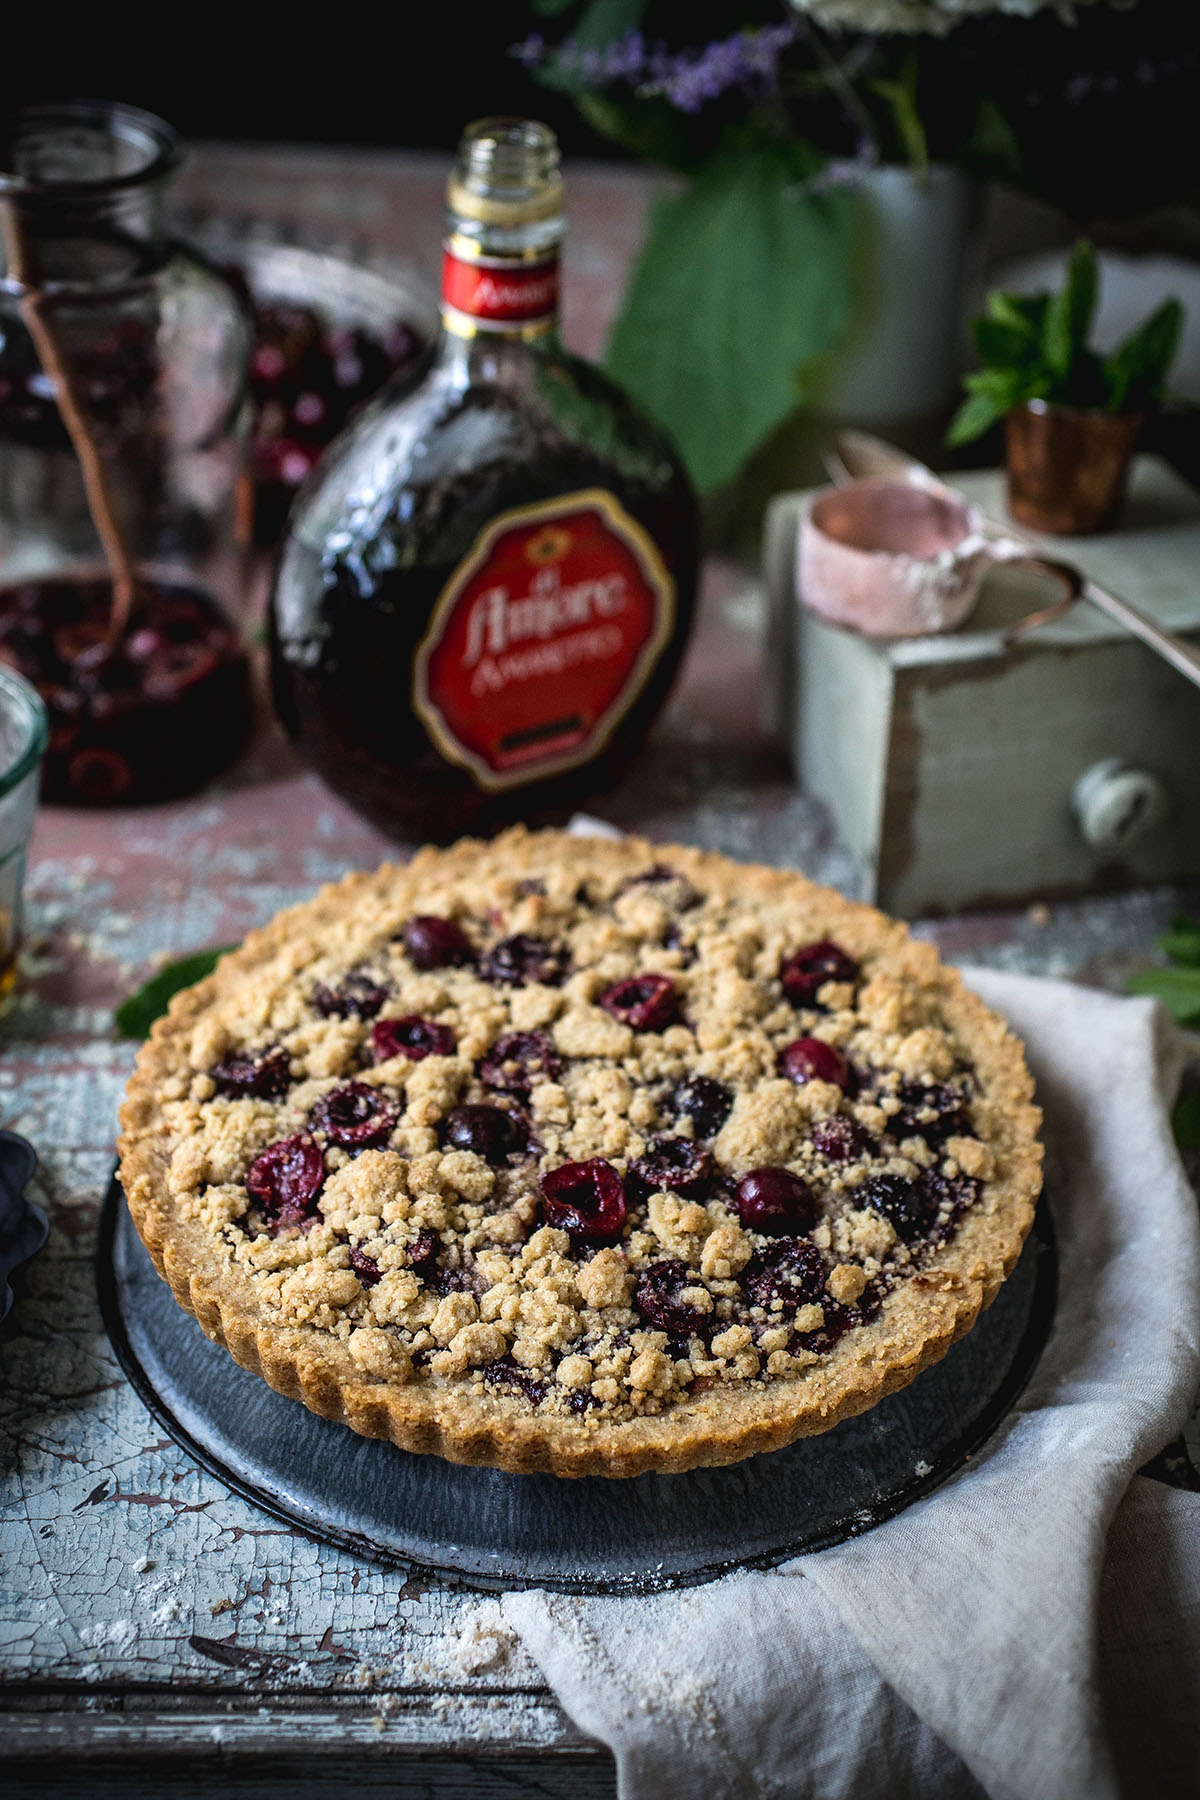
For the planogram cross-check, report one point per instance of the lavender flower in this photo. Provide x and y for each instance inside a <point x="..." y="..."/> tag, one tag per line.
<point x="747" y="59"/>
<point x="688" y="79"/>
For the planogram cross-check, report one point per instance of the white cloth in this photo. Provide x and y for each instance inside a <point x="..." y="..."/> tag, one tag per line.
<point x="957" y="1648"/>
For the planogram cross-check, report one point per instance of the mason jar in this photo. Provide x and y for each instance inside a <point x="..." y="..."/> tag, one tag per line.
<point x="123" y="431"/>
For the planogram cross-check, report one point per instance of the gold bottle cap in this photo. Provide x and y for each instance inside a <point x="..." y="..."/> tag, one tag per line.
<point x="507" y="173"/>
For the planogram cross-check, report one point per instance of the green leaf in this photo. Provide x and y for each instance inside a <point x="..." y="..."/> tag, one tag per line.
<point x="1182" y="944"/>
<point x="134" y="1017"/>
<point x="1068" y="318"/>
<point x="991" y="146"/>
<point x="1178" y="989"/>
<point x="1004" y="346"/>
<point x="900" y="98"/>
<point x="1137" y="370"/>
<point x="651" y="128"/>
<point x="977" y="414"/>
<point x="1185" y="1120"/>
<point x="743" y="282"/>
<point x="1024" y="312"/>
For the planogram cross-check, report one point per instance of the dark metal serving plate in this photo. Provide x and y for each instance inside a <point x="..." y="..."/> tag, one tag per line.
<point x="487" y="1529"/>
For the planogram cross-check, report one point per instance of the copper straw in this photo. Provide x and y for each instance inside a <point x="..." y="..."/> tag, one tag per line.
<point x="32" y="307"/>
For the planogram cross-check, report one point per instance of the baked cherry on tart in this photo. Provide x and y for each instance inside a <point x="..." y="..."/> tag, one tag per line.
<point x="563" y="1154"/>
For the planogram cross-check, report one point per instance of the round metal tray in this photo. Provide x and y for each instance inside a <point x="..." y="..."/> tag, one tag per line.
<point x="486" y="1529"/>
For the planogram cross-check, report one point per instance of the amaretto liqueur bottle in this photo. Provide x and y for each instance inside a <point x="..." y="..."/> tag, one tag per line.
<point x="488" y="583"/>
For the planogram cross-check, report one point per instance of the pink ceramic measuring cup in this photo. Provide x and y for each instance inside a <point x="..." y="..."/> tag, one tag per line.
<point x="895" y="559"/>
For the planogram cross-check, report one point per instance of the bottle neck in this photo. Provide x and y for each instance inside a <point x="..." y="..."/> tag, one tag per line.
<point x="501" y="281"/>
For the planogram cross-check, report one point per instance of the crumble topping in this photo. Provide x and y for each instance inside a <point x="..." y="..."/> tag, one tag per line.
<point x="584" y="1145"/>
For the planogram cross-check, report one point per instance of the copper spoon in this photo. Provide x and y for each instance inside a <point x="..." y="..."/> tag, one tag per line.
<point x="857" y="455"/>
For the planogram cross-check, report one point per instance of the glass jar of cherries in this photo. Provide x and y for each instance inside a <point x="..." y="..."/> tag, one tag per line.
<point x="123" y="426"/>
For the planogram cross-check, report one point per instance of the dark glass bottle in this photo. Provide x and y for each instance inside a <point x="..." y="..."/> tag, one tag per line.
<point x="488" y="584"/>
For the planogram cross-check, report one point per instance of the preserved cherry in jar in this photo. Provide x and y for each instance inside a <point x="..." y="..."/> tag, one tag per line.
<point x="488" y="584"/>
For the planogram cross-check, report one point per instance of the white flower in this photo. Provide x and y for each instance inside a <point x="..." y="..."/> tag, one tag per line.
<point x="936" y="17"/>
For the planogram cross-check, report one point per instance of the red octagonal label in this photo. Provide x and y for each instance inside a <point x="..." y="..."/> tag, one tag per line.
<point x="542" y="638"/>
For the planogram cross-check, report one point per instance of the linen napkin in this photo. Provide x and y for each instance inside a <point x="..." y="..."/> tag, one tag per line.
<point x="956" y="1649"/>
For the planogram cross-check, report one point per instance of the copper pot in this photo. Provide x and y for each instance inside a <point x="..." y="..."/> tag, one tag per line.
<point x="1067" y="469"/>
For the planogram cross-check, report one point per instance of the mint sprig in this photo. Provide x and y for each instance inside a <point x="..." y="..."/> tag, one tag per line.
<point x="134" y="1017"/>
<point x="1035" y="347"/>
<point x="1178" y="987"/>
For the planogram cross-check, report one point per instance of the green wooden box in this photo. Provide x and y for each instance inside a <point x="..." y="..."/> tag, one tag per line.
<point x="963" y="772"/>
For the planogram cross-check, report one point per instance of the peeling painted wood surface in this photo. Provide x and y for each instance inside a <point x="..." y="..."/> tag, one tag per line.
<point x="150" y="1622"/>
<point x="143" y="1607"/>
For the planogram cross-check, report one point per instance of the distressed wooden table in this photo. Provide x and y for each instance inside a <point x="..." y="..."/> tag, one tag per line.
<point x="161" y="1636"/>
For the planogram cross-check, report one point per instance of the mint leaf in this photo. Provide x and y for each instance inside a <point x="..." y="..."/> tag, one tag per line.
<point x="744" y="281"/>
<point x="1024" y="312"/>
<point x="977" y="414"/>
<point x="134" y="1017"/>
<point x="1068" y="317"/>
<point x="1002" y="345"/>
<point x="1182" y="944"/>
<point x="1178" y="989"/>
<point x="1185" y="1120"/>
<point x="1137" y="370"/>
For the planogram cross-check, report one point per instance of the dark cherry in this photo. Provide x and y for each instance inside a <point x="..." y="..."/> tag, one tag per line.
<point x="836" y="1323"/>
<point x="286" y="1179"/>
<point x="433" y="943"/>
<point x="356" y="1116"/>
<point x="519" y="1059"/>
<point x="791" y="1270"/>
<point x="364" y="1266"/>
<point x="658" y="1299"/>
<point x="806" y="971"/>
<point x="949" y="1197"/>
<point x="811" y="1059"/>
<point x="774" y="1201"/>
<point x="909" y="1207"/>
<point x="672" y="939"/>
<point x="506" y="1373"/>
<point x="516" y="961"/>
<point x="450" y="1281"/>
<point x="410" y="1036"/>
<point x="150" y="716"/>
<point x="644" y="1002"/>
<point x="586" y="1200"/>
<point x="706" y="1102"/>
<point x="933" y="1113"/>
<point x="658" y="876"/>
<point x="357" y="996"/>
<point x="306" y="379"/>
<point x="489" y="1131"/>
<point x="674" y="1165"/>
<point x="840" y="1139"/>
<point x="422" y="1253"/>
<point x="264" y="1076"/>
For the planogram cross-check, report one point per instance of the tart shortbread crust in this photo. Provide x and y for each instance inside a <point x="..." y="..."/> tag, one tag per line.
<point x="428" y="1300"/>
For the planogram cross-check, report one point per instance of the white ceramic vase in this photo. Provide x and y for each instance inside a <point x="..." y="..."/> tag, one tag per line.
<point x="914" y="256"/>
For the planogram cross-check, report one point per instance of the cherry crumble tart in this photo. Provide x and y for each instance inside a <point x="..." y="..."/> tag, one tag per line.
<point x="561" y="1154"/>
